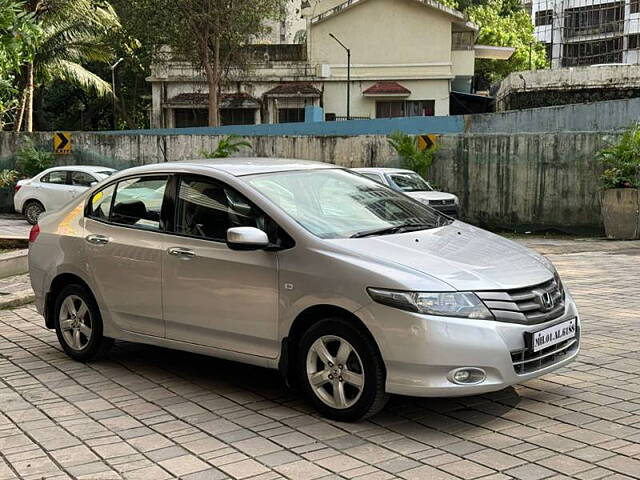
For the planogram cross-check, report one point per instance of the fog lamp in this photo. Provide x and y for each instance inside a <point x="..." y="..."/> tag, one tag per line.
<point x="467" y="376"/>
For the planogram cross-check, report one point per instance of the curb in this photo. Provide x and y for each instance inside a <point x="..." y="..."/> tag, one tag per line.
<point x="14" y="263"/>
<point x="17" y="299"/>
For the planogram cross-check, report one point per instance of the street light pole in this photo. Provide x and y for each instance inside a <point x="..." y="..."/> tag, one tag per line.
<point x="113" y="90"/>
<point x="348" y="74"/>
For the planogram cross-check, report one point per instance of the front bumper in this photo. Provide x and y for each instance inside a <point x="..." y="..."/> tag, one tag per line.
<point x="421" y="351"/>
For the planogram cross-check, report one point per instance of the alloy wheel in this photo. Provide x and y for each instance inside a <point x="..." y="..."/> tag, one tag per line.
<point x="335" y="372"/>
<point x="33" y="212"/>
<point x="75" y="322"/>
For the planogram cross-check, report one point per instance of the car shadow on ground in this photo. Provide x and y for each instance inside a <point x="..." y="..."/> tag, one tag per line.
<point x="217" y="376"/>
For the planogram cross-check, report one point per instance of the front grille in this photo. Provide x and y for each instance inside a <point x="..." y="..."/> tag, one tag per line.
<point x="436" y="203"/>
<point x="526" y="306"/>
<point x="527" y="361"/>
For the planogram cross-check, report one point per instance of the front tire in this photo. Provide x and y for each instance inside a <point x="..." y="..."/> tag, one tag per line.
<point x="79" y="324"/>
<point x="32" y="211"/>
<point x="341" y="371"/>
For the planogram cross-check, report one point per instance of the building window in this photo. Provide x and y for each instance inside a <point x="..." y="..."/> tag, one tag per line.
<point x="237" y="116"/>
<point x="462" y="40"/>
<point x="634" y="41"/>
<point x="191" y="117"/>
<point x="402" y="108"/>
<point x="593" y="52"/>
<point x="544" y="17"/>
<point x="290" y="115"/>
<point x="594" y="19"/>
<point x="635" y="6"/>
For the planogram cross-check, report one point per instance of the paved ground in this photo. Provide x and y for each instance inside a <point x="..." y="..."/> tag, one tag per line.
<point x="150" y="413"/>
<point x="13" y="226"/>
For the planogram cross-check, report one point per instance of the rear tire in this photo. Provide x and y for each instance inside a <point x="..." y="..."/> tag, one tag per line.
<point x="79" y="325"/>
<point x="341" y="371"/>
<point x="32" y="210"/>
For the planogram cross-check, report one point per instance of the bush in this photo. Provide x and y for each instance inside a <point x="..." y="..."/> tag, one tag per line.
<point x="227" y="147"/>
<point x="411" y="156"/>
<point x="30" y="161"/>
<point x="621" y="160"/>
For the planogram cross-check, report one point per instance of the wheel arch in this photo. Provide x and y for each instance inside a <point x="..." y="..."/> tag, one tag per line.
<point x="305" y="319"/>
<point x="31" y="200"/>
<point x="58" y="283"/>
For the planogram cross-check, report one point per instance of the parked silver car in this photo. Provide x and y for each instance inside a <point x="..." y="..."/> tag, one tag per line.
<point x="352" y="290"/>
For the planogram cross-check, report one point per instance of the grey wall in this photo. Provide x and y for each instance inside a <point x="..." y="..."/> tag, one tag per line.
<point x="513" y="181"/>
<point x="584" y="117"/>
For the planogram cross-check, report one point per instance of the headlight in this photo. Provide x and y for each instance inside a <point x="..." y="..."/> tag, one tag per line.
<point x="449" y="304"/>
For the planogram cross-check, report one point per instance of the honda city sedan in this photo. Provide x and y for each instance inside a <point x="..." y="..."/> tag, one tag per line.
<point x="352" y="290"/>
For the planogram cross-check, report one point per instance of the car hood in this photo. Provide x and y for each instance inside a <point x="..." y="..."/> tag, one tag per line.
<point x="465" y="257"/>
<point x="426" y="196"/>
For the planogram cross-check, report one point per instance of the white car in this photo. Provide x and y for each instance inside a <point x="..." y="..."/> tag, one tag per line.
<point x="412" y="184"/>
<point x="54" y="188"/>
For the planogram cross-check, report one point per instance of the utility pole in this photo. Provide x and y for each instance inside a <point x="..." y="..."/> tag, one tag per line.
<point x="348" y="50"/>
<point x="113" y="91"/>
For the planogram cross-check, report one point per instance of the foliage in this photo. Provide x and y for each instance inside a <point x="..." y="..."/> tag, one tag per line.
<point x="412" y="157"/>
<point x="227" y="147"/>
<point x="75" y="33"/>
<point x="506" y="23"/>
<point x="8" y="178"/>
<point x="19" y="33"/>
<point x="31" y="160"/>
<point x="621" y="160"/>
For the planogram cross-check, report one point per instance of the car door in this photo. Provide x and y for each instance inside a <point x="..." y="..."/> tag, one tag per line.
<point x="79" y="182"/>
<point x="124" y="240"/>
<point x="213" y="295"/>
<point x="54" y="190"/>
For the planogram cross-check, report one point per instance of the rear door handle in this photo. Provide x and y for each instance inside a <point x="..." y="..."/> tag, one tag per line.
<point x="180" y="252"/>
<point x="97" y="239"/>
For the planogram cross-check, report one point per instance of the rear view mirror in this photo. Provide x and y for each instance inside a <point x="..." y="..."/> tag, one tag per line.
<point x="246" y="238"/>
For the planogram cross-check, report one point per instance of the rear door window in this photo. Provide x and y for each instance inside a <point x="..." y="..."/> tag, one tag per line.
<point x="138" y="202"/>
<point x="82" y="179"/>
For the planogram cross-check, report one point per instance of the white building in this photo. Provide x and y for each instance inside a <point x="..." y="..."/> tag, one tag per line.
<point x="407" y="57"/>
<point x="588" y="32"/>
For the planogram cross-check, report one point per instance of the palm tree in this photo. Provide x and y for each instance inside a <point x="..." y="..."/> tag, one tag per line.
<point x="74" y="34"/>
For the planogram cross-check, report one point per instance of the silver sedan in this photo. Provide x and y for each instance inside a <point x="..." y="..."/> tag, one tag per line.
<point x="354" y="291"/>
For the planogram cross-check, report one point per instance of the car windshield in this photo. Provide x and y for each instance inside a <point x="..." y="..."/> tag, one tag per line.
<point x="336" y="203"/>
<point x="409" y="182"/>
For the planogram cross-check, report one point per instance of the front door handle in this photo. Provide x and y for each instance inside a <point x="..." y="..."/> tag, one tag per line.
<point x="183" y="253"/>
<point x="97" y="239"/>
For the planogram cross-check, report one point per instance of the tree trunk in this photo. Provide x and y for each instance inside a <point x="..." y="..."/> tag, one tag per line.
<point x="23" y="104"/>
<point x="29" y="121"/>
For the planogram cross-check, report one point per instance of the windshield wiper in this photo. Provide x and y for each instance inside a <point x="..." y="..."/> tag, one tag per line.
<point x="409" y="227"/>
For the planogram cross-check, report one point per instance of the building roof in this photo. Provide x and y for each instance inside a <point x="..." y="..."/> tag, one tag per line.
<point x="386" y="89"/>
<point x="294" y="90"/>
<point x="459" y="16"/>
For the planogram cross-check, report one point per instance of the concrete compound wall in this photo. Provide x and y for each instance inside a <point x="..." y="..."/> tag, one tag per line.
<point x="505" y="181"/>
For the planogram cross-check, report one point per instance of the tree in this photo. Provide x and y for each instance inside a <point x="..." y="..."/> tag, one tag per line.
<point x="19" y="33"/>
<point x="411" y="155"/>
<point x="213" y="34"/>
<point x="506" y="23"/>
<point x="74" y="33"/>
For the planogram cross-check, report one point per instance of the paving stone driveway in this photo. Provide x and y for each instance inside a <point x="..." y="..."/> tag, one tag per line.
<point x="151" y="413"/>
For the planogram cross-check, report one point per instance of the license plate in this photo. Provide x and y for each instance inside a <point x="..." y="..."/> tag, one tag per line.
<point x="553" y="335"/>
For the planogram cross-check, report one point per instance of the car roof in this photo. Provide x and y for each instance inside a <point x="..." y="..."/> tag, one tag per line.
<point x="382" y="170"/>
<point x="80" y="168"/>
<point x="237" y="167"/>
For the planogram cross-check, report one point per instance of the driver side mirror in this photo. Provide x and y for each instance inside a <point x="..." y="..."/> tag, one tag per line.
<point x="246" y="239"/>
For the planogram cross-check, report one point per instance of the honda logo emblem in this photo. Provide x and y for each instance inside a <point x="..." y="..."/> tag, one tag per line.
<point x="546" y="300"/>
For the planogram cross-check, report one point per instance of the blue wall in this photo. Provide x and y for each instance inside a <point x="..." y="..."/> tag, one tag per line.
<point x="411" y="125"/>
